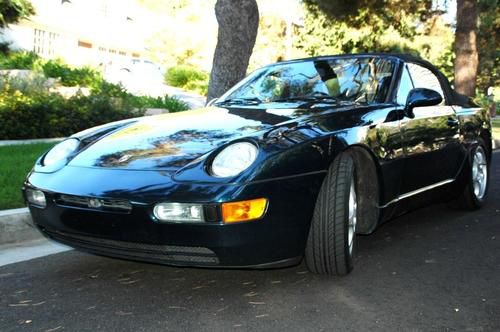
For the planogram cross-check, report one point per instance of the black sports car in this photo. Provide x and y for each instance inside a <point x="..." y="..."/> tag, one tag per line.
<point x="292" y="162"/>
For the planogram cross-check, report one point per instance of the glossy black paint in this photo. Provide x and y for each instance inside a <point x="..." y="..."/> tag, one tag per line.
<point x="166" y="158"/>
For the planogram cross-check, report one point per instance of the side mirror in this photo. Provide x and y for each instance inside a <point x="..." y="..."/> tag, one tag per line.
<point x="421" y="97"/>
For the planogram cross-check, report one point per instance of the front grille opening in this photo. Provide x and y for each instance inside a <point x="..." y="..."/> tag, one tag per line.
<point x="199" y="256"/>
<point x="94" y="203"/>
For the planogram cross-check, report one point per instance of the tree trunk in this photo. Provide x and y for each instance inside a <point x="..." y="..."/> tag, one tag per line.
<point x="466" y="54"/>
<point x="238" y="25"/>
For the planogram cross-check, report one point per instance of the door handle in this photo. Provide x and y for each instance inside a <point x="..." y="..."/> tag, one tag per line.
<point x="452" y="122"/>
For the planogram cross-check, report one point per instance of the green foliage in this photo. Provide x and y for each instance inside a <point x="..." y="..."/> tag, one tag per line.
<point x="12" y="11"/>
<point x="83" y="76"/>
<point x="322" y="35"/>
<point x="141" y="102"/>
<point x="181" y="75"/>
<point x="496" y="127"/>
<point x="341" y="26"/>
<point x="15" y="163"/>
<point x="44" y="115"/>
<point x="28" y="84"/>
<point x="110" y="89"/>
<point x="68" y="76"/>
<point x="188" y="78"/>
<point x="380" y="15"/>
<point x="29" y="110"/>
<point x="487" y="102"/>
<point x="432" y="40"/>
<point x="172" y="104"/>
<point x="488" y="44"/>
<point x="18" y="60"/>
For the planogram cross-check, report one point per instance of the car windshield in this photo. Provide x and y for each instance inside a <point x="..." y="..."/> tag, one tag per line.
<point x="356" y="79"/>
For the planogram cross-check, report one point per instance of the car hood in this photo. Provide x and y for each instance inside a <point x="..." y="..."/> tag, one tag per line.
<point x="171" y="141"/>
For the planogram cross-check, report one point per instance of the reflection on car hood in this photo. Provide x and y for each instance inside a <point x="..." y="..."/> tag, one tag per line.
<point x="171" y="141"/>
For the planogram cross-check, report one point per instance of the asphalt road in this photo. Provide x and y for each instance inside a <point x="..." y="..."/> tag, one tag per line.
<point x="433" y="269"/>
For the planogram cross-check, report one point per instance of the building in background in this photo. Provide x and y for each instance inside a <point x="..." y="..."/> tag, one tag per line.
<point x="94" y="32"/>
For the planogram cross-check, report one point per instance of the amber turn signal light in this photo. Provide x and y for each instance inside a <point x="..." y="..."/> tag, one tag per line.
<point x="243" y="210"/>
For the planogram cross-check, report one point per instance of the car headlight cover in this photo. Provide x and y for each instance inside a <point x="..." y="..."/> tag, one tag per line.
<point x="61" y="151"/>
<point x="234" y="159"/>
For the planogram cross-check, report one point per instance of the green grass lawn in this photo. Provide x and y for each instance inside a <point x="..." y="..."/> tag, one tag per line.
<point x="496" y="128"/>
<point x="15" y="163"/>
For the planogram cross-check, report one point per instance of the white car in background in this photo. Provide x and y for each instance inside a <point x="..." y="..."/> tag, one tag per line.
<point x="138" y="76"/>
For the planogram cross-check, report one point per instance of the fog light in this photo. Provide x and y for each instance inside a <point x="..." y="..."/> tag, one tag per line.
<point x="179" y="212"/>
<point x="36" y="197"/>
<point x="243" y="210"/>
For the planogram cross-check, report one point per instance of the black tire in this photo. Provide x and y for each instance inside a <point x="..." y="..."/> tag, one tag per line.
<point x="327" y="250"/>
<point x="470" y="199"/>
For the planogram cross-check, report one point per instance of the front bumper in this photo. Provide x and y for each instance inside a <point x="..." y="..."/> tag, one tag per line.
<point x="277" y="239"/>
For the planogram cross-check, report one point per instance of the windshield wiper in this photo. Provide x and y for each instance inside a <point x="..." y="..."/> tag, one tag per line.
<point x="320" y="97"/>
<point x="239" y="101"/>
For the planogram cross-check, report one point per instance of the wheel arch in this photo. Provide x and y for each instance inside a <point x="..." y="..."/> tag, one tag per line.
<point x="485" y="135"/>
<point x="369" y="191"/>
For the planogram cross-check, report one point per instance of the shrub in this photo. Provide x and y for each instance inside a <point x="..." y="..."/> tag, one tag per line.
<point x="188" y="78"/>
<point x="28" y="108"/>
<point x="84" y="76"/>
<point x="31" y="83"/>
<point x="171" y="103"/>
<point x="50" y="115"/>
<point x="34" y="112"/>
<point x="110" y="89"/>
<point x="18" y="60"/>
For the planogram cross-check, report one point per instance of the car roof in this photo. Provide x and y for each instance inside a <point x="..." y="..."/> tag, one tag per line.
<point x="400" y="56"/>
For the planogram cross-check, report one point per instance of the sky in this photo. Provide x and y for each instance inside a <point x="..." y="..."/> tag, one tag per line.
<point x="451" y="9"/>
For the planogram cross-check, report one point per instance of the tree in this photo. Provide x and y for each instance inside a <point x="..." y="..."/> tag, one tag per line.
<point x="488" y="45"/>
<point x="395" y="26"/>
<point x="12" y="11"/>
<point x="466" y="54"/>
<point x="238" y="26"/>
<point x="400" y="26"/>
<point x="379" y="14"/>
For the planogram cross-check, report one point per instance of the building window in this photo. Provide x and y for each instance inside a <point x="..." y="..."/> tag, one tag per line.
<point x="44" y="42"/>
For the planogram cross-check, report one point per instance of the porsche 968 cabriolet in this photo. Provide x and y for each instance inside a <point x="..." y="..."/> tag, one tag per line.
<point x="291" y="163"/>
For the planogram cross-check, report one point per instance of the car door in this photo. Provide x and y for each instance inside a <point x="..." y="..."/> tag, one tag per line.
<point x="430" y="137"/>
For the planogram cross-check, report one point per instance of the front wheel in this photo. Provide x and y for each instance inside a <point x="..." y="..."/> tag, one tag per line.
<point x="332" y="237"/>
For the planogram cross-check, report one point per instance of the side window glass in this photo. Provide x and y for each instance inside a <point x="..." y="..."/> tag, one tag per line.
<point x="424" y="78"/>
<point x="405" y="85"/>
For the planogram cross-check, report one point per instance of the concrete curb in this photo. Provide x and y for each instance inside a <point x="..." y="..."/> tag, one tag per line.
<point x="29" y="141"/>
<point x="16" y="226"/>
